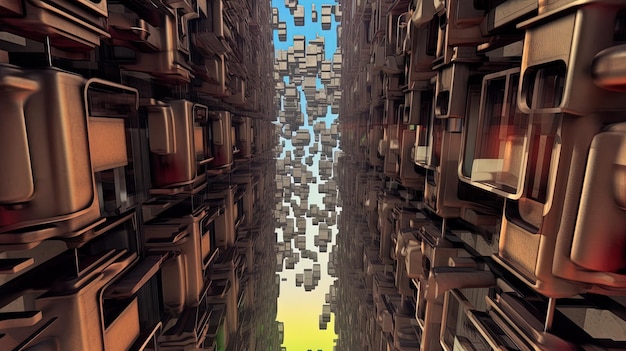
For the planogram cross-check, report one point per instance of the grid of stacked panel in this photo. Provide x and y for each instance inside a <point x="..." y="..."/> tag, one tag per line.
<point x="138" y="156"/>
<point x="485" y="139"/>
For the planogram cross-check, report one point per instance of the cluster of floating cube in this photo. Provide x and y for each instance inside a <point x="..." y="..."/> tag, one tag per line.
<point x="298" y="14"/>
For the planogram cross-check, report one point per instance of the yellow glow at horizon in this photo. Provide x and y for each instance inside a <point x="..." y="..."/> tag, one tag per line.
<point x="299" y="310"/>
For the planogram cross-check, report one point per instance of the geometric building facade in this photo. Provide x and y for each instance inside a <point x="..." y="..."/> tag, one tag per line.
<point x="481" y="177"/>
<point x="137" y="176"/>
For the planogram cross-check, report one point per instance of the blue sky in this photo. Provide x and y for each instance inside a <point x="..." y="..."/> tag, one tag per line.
<point x="299" y="310"/>
<point x="310" y="29"/>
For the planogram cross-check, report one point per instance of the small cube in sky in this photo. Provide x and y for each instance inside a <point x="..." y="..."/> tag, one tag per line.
<point x="313" y="13"/>
<point x="282" y="31"/>
<point x="298" y="16"/>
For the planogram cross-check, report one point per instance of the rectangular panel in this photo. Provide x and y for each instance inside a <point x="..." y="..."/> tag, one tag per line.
<point x="123" y="331"/>
<point x="107" y="143"/>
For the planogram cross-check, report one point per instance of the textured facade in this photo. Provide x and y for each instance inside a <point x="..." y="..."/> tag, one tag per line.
<point x="481" y="177"/>
<point x="137" y="176"/>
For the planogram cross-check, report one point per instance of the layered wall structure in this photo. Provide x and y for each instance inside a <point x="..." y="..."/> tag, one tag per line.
<point x="137" y="176"/>
<point x="474" y="215"/>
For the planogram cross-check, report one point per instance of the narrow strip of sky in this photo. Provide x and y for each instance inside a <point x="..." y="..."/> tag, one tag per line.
<point x="299" y="310"/>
